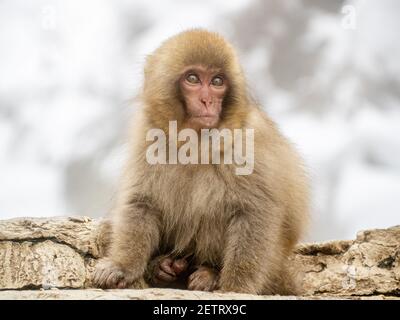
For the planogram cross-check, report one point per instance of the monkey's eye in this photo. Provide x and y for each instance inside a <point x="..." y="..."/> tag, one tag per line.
<point x="217" y="81"/>
<point x="192" y="78"/>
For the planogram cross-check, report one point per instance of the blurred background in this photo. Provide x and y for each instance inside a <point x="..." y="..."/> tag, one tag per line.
<point x="328" y="72"/>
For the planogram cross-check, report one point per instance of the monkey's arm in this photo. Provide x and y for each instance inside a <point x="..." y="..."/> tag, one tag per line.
<point x="252" y="252"/>
<point x="135" y="236"/>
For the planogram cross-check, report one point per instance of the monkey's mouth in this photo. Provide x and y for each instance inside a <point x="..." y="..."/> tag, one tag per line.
<point x="207" y="121"/>
<point x="205" y="117"/>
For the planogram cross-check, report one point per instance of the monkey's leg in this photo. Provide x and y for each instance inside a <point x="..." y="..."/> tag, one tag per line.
<point x="164" y="270"/>
<point x="135" y="237"/>
<point x="104" y="236"/>
<point x="251" y="256"/>
<point x="203" y="279"/>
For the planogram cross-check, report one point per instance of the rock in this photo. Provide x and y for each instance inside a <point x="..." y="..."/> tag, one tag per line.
<point x="368" y="265"/>
<point x="61" y="253"/>
<point x="159" y="294"/>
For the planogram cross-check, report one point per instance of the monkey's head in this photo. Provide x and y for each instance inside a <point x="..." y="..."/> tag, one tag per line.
<point x="194" y="78"/>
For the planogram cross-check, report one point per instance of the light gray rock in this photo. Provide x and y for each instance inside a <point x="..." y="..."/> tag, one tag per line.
<point x="159" y="294"/>
<point x="61" y="253"/>
<point x="368" y="265"/>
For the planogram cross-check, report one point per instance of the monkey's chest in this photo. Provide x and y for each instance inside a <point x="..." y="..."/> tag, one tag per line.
<point x="182" y="191"/>
<point x="194" y="218"/>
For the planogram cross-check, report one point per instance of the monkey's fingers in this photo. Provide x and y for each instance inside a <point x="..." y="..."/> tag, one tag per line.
<point x="100" y="277"/>
<point x="214" y="285"/>
<point x="195" y="281"/>
<point x="163" y="277"/>
<point x="96" y="278"/>
<point x="121" y="284"/>
<point x="204" y="279"/>
<point x="113" y="278"/>
<point x="197" y="284"/>
<point x="166" y="266"/>
<point x="179" y="266"/>
<point x="195" y="275"/>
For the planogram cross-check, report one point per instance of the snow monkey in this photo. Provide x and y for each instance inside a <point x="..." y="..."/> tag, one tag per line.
<point x="203" y="226"/>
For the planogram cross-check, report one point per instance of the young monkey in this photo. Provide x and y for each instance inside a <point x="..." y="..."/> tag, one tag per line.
<point x="202" y="226"/>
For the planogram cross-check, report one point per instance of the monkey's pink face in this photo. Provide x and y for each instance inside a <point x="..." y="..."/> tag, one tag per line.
<point x="203" y="91"/>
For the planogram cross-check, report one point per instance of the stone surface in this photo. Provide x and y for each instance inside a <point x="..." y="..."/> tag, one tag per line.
<point x="46" y="253"/>
<point x="369" y="265"/>
<point x="160" y="294"/>
<point x="61" y="252"/>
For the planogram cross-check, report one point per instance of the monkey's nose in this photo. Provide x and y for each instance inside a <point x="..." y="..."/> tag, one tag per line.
<point x="205" y="97"/>
<point x="206" y="101"/>
<point x="206" y="104"/>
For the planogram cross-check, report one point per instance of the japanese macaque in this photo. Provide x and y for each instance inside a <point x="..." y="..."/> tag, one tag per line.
<point x="203" y="226"/>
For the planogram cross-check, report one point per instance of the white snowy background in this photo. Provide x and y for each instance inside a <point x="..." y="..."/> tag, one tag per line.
<point x="328" y="72"/>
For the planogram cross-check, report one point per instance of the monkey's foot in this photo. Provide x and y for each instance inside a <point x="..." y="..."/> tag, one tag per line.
<point x="167" y="270"/>
<point x="203" y="279"/>
<point x="108" y="275"/>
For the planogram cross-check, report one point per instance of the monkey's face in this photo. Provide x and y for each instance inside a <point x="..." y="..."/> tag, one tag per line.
<point x="203" y="91"/>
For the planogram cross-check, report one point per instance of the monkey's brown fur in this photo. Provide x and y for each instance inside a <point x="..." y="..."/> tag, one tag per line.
<point x="244" y="227"/>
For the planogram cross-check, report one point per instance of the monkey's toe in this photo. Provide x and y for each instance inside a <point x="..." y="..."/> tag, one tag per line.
<point x="169" y="270"/>
<point x="203" y="279"/>
<point x="179" y="266"/>
<point x="108" y="275"/>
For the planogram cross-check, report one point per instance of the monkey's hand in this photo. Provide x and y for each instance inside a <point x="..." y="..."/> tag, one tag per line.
<point x="165" y="270"/>
<point x="108" y="275"/>
<point x="203" y="279"/>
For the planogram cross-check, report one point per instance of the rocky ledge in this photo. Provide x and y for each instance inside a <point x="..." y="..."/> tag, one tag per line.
<point x="47" y="258"/>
